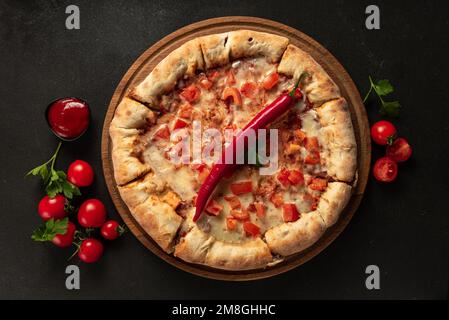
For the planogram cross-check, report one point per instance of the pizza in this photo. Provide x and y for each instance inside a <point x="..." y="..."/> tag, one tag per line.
<point x="220" y="82"/>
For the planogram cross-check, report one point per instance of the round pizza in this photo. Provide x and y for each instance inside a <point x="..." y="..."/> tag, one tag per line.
<point x="168" y="135"/>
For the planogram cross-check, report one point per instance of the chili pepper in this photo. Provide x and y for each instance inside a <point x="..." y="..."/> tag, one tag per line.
<point x="273" y="111"/>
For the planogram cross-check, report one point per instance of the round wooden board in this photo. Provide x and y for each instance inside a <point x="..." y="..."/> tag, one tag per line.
<point x="146" y="62"/>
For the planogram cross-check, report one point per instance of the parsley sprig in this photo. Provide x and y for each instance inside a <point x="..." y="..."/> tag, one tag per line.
<point x="50" y="229"/>
<point x="383" y="88"/>
<point x="55" y="181"/>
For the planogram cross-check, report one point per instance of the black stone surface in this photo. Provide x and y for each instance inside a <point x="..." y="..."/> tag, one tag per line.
<point x="403" y="228"/>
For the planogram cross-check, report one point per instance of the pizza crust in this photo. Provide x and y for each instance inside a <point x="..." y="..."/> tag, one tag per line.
<point x="250" y="254"/>
<point x="159" y="220"/>
<point x="293" y="237"/>
<point x="185" y="60"/>
<point x="333" y="201"/>
<point x="193" y="247"/>
<point x="137" y="192"/>
<point x="338" y="140"/>
<point x="249" y="43"/>
<point x="319" y="87"/>
<point x="215" y="50"/>
<point x="129" y="119"/>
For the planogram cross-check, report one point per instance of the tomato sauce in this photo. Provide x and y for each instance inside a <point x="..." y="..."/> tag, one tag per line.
<point x="68" y="117"/>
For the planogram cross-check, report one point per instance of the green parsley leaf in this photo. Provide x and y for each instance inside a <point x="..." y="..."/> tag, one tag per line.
<point x="383" y="87"/>
<point x="70" y="190"/>
<point x="50" y="229"/>
<point x="390" y="108"/>
<point x="55" y="181"/>
<point x="53" y="188"/>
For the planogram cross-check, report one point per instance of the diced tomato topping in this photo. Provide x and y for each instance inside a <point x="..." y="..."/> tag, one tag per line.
<point x="212" y="75"/>
<point x="312" y="158"/>
<point x="240" y="215"/>
<point x="232" y="93"/>
<point x="234" y="202"/>
<point x="260" y="209"/>
<point x="283" y="177"/>
<point x="277" y="200"/>
<point x="296" y="177"/>
<point x="185" y="111"/>
<point x="312" y="200"/>
<point x="179" y="124"/>
<point x="318" y="184"/>
<point x="243" y="187"/>
<point x="290" y="212"/>
<point x="300" y="135"/>
<point x="191" y="93"/>
<point x="230" y="78"/>
<point x="198" y="166"/>
<point x="231" y="223"/>
<point x="214" y="208"/>
<point x="203" y="175"/>
<point x="312" y="144"/>
<point x="251" y="229"/>
<point x="298" y="94"/>
<point x="205" y="83"/>
<point x="163" y="132"/>
<point x="248" y="89"/>
<point x="270" y="80"/>
<point x="251" y="207"/>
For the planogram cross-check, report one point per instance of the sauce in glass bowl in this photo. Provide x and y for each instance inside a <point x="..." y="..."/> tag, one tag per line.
<point x="68" y="118"/>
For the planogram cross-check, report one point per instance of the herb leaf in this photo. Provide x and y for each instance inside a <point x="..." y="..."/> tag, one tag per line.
<point x="50" y="229"/>
<point x="383" y="88"/>
<point x="55" y="181"/>
<point x="390" y="108"/>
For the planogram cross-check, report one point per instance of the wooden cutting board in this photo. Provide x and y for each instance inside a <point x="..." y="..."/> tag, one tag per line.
<point x="147" y="61"/>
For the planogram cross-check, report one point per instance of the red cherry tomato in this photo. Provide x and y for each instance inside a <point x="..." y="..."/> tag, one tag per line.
<point x="92" y="214"/>
<point x="52" y="207"/>
<point x="110" y="230"/>
<point x="382" y="132"/>
<point x="90" y="250"/>
<point x="385" y="170"/>
<point x="399" y="150"/>
<point x="80" y="173"/>
<point x="66" y="239"/>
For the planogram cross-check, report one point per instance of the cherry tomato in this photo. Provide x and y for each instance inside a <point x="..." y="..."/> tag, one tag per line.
<point x="399" y="150"/>
<point x="92" y="214"/>
<point x="385" y="170"/>
<point x="66" y="239"/>
<point x="110" y="230"/>
<point x="52" y="207"/>
<point x="90" y="250"/>
<point x="80" y="173"/>
<point x="382" y="132"/>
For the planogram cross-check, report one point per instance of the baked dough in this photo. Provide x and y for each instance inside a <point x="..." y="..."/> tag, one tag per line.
<point x="128" y="122"/>
<point x="319" y="87"/>
<point x="340" y="148"/>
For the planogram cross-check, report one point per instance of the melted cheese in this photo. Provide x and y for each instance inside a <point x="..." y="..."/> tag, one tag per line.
<point x="180" y="179"/>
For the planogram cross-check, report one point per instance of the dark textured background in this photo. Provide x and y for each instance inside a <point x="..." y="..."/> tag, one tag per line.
<point x="403" y="228"/>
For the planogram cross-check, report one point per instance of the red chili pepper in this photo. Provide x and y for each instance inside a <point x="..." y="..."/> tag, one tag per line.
<point x="273" y="111"/>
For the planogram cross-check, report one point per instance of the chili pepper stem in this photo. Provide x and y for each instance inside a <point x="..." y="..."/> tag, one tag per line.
<point x="301" y="77"/>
